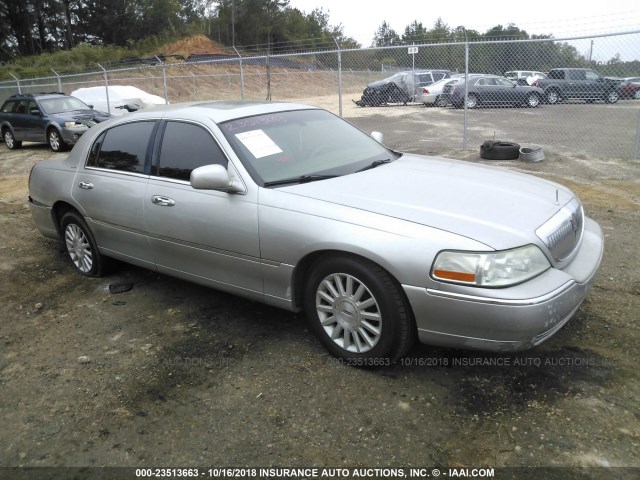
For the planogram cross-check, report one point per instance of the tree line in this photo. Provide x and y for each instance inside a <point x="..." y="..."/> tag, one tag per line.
<point x="34" y="27"/>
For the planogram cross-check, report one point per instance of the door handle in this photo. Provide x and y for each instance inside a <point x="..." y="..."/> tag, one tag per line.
<point x="163" y="201"/>
<point x="86" y="185"/>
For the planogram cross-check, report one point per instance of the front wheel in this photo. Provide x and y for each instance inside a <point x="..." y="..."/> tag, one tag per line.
<point x="81" y="246"/>
<point x="612" y="97"/>
<point x="55" y="141"/>
<point x="358" y="310"/>
<point x="10" y="140"/>
<point x="533" y="100"/>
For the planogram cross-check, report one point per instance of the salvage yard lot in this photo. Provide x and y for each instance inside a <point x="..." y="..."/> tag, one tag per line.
<point x="175" y="374"/>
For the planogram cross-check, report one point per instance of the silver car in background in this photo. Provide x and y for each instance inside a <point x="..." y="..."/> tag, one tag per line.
<point x="292" y="206"/>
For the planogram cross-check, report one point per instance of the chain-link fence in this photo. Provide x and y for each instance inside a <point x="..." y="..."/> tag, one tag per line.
<point x="568" y="95"/>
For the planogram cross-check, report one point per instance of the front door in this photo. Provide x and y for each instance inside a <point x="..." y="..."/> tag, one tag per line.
<point x="202" y="235"/>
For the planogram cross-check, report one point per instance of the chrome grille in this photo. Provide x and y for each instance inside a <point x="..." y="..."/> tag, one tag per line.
<point x="562" y="232"/>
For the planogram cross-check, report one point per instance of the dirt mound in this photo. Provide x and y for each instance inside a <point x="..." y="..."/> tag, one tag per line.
<point x="192" y="45"/>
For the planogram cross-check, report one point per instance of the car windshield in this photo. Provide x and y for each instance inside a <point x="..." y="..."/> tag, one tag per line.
<point x="62" y="104"/>
<point x="301" y="143"/>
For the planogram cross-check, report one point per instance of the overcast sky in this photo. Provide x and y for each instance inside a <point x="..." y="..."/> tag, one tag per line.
<point x="560" y="18"/>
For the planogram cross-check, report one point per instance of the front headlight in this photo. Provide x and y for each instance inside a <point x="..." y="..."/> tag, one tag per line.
<point x="71" y="124"/>
<point x="490" y="269"/>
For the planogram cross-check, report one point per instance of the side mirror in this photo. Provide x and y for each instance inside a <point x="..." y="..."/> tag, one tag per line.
<point x="378" y="137"/>
<point x="214" y="177"/>
<point x="35" y="111"/>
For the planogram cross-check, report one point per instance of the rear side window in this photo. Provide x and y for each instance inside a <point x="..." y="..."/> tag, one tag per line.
<point x="186" y="146"/>
<point x="122" y="148"/>
<point x="577" y="75"/>
<point x="8" y="107"/>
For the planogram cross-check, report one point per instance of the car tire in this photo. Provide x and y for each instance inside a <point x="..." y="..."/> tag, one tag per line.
<point x="440" y="101"/>
<point x="636" y="95"/>
<point x="358" y="311"/>
<point x="612" y="97"/>
<point x="532" y="100"/>
<point x="491" y="150"/>
<point x="10" y="140"/>
<point x="80" y="245"/>
<point x="553" y="97"/>
<point x="55" y="141"/>
<point x="472" y="100"/>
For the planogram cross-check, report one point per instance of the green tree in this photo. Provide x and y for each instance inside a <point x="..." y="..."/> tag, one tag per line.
<point x="386" y="36"/>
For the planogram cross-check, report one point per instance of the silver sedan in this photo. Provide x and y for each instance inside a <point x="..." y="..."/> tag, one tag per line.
<point x="292" y="206"/>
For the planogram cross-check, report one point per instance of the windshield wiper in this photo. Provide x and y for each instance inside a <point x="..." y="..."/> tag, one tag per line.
<point x="300" y="179"/>
<point x="374" y="164"/>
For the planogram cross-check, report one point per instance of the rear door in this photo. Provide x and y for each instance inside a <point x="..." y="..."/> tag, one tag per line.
<point x="34" y="123"/>
<point x="111" y="188"/>
<point x="19" y="119"/>
<point x="202" y="235"/>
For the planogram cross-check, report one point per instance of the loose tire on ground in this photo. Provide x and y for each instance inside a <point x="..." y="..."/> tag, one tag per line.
<point x="491" y="150"/>
<point x="358" y="311"/>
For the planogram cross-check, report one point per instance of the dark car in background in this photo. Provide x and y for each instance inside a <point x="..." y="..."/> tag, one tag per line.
<point x="402" y="87"/>
<point x="53" y="118"/>
<point x="492" y="90"/>
<point x="585" y="84"/>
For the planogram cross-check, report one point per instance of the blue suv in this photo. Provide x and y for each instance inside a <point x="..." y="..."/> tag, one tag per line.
<point x="53" y="118"/>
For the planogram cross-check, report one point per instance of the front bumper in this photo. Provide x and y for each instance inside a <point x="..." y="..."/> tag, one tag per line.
<point x="71" y="135"/>
<point x="508" y="319"/>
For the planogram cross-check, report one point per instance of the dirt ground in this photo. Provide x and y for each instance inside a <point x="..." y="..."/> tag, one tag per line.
<point x="173" y="374"/>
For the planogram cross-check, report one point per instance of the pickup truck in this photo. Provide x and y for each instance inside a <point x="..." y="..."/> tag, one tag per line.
<point x="54" y="118"/>
<point x="578" y="83"/>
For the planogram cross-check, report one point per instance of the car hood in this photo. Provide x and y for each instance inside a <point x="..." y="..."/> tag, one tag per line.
<point x="497" y="207"/>
<point x="83" y="116"/>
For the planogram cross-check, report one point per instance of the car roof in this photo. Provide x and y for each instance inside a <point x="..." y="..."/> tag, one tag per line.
<point x="219" y="111"/>
<point x="21" y="96"/>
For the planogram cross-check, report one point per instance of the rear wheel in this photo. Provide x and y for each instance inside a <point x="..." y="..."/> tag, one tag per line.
<point x="552" y="97"/>
<point x="441" y="101"/>
<point x="358" y="311"/>
<point x="10" y="140"/>
<point x="81" y="246"/>
<point x="55" y="140"/>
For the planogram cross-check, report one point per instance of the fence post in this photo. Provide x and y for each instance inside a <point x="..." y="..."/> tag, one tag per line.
<point x="241" y="74"/>
<point x="638" y="140"/>
<point x="466" y="93"/>
<point x="17" y="81"/>
<point x="195" y="97"/>
<point x="59" y="82"/>
<point x="164" y="80"/>
<point x="339" y="77"/>
<point x="106" y="88"/>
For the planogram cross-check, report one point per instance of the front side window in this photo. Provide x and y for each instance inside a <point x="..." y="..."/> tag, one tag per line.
<point x="281" y="145"/>
<point x="592" y="76"/>
<point x="185" y="147"/>
<point x="123" y="147"/>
